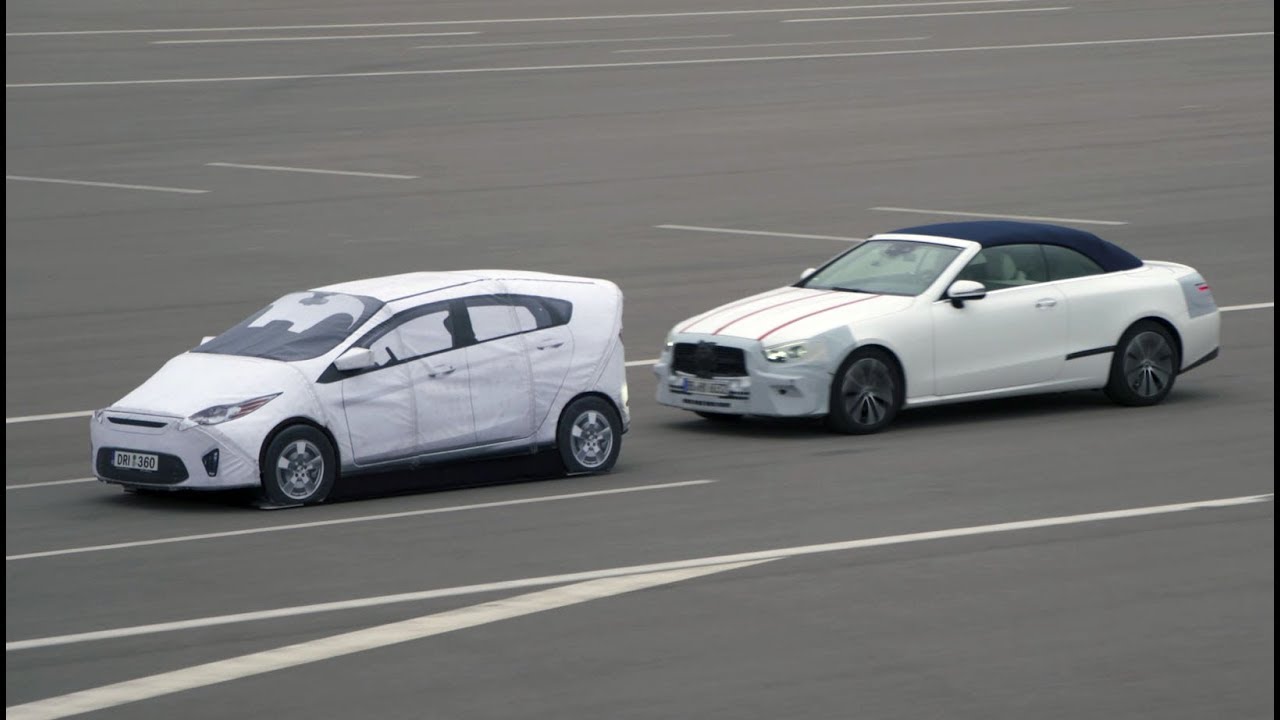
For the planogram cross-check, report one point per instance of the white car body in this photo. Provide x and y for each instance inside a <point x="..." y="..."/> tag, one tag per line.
<point x="554" y="338"/>
<point x="1034" y="338"/>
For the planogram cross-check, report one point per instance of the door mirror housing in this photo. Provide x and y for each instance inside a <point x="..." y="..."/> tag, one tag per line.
<point x="807" y="272"/>
<point x="962" y="290"/>
<point x="355" y="359"/>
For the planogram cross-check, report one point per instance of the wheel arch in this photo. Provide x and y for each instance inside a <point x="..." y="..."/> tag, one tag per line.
<point x="897" y="364"/>
<point x="1164" y="323"/>
<point x="290" y="422"/>
<point x="576" y="398"/>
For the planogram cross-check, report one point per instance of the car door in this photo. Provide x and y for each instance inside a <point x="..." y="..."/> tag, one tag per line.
<point x="548" y="341"/>
<point x="416" y="400"/>
<point x="1015" y="336"/>
<point x="498" y="362"/>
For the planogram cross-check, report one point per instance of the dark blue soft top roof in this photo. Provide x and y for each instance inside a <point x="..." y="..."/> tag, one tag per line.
<point x="993" y="233"/>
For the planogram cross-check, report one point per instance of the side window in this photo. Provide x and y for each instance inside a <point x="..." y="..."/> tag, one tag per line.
<point x="1006" y="266"/>
<point x="495" y="316"/>
<point x="491" y="320"/>
<point x="1065" y="263"/>
<point x="420" y="332"/>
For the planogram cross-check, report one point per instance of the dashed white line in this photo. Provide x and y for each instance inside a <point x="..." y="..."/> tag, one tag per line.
<point x="923" y="15"/>
<point x="1250" y="306"/>
<point x="213" y="41"/>
<point x="545" y="580"/>
<point x="783" y="44"/>
<point x="50" y="416"/>
<point x="648" y="63"/>
<point x="570" y="18"/>
<point x="348" y="643"/>
<point x="536" y="43"/>
<point x="1034" y="218"/>
<point x="50" y="483"/>
<point x="117" y="186"/>
<point x="352" y="520"/>
<point x="763" y="233"/>
<point x="316" y="171"/>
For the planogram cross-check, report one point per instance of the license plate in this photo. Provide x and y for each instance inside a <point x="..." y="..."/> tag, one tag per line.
<point x="136" y="461"/>
<point x="706" y="387"/>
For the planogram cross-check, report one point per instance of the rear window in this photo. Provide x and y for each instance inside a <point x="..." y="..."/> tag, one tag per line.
<point x="298" y="326"/>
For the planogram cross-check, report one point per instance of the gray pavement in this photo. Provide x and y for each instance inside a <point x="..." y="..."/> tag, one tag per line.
<point x="549" y="165"/>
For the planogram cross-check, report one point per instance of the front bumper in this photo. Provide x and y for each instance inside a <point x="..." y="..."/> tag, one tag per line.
<point x="183" y="454"/>
<point x="777" y="390"/>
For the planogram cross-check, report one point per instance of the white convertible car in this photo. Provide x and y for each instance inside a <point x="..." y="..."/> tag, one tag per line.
<point x="946" y="313"/>
<point x="379" y="374"/>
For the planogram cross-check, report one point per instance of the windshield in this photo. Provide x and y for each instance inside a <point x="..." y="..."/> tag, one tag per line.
<point x="298" y="326"/>
<point x="885" y="267"/>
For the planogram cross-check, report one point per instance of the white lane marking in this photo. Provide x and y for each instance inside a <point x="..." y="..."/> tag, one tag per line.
<point x="921" y="15"/>
<point x="1251" y="306"/>
<point x="533" y="43"/>
<point x="284" y="168"/>
<point x="51" y="416"/>
<point x="764" y="233"/>
<point x="211" y="41"/>
<point x="351" y="520"/>
<point x="572" y="18"/>
<point x="380" y="636"/>
<point x="50" y="483"/>
<point x="545" y="580"/>
<point x="1035" y="218"/>
<point x="641" y="363"/>
<point x="118" y="186"/>
<point x="783" y="44"/>
<point x="647" y="63"/>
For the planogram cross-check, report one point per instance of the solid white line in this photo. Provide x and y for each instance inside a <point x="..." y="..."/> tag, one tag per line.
<point x="648" y="63"/>
<point x="920" y="15"/>
<point x="210" y="41"/>
<point x="784" y="44"/>
<point x="348" y="643"/>
<point x="576" y="18"/>
<point x="764" y="233"/>
<point x="283" y="168"/>
<point x="641" y="363"/>
<point x="568" y="42"/>
<point x="52" y="416"/>
<point x="119" y="186"/>
<point x="631" y="570"/>
<point x="351" y="520"/>
<point x="1251" y="306"/>
<point x="1040" y="218"/>
<point x="50" y="483"/>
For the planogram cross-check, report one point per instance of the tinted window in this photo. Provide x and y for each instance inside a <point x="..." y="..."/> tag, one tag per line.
<point x="495" y="321"/>
<point x="1006" y="266"/>
<point x="495" y="316"/>
<point x="1065" y="263"/>
<point x="423" y="333"/>
<point x="298" y="326"/>
<point x="889" y="267"/>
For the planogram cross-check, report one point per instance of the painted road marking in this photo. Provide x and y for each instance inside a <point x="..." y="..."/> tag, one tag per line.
<point x="782" y="44"/>
<point x="117" y="186"/>
<point x="1033" y="218"/>
<point x="534" y="43"/>
<point x="51" y="416"/>
<point x="763" y="233"/>
<point x="209" y="41"/>
<point x="351" y="520"/>
<point x="773" y="554"/>
<point x="648" y="63"/>
<point x="351" y="642"/>
<point x="285" y="168"/>
<point x="50" y="483"/>
<point x="922" y="15"/>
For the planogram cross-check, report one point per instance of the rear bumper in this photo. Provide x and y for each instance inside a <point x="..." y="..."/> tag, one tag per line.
<point x="197" y="457"/>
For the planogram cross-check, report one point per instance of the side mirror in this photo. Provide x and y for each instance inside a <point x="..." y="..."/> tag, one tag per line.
<point x="962" y="290"/>
<point x="808" y="272"/>
<point x="354" y="359"/>
<point x="207" y="338"/>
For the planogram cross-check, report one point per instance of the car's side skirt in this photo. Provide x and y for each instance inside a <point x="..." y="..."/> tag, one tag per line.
<point x="1052" y="386"/>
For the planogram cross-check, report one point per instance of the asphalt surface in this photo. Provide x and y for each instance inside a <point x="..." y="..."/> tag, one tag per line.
<point x="1123" y="111"/>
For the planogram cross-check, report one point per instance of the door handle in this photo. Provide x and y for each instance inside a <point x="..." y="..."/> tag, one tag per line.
<point x="1046" y="303"/>
<point x="550" y="344"/>
<point x="440" y="371"/>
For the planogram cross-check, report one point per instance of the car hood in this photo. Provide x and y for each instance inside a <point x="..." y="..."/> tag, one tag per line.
<point x="792" y="313"/>
<point x="192" y="382"/>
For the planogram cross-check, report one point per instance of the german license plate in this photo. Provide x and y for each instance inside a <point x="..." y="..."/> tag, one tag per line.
<point x="706" y="387"/>
<point x="135" y="461"/>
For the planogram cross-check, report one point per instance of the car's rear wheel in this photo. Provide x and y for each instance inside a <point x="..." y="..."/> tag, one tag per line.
<point x="866" y="393"/>
<point x="589" y="436"/>
<point x="1144" y="365"/>
<point x="299" y="467"/>
<point x="718" y="417"/>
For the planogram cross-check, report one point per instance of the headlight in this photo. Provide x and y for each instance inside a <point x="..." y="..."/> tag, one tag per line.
<point x="790" y="352"/>
<point x="99" y="416"/>
<point x="223" y="413"/>
<point x="671" y="340"/>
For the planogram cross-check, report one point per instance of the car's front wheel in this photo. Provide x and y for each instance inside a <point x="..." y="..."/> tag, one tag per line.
<point x="590" y="436"/>
<point x="866" y="393"/>
<point x="299" y="467"/>
<point x="1144" y="365"/>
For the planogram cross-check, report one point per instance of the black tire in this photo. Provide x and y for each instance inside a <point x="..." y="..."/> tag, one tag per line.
<point x="1144" y="365"/>
<point x="589" y="437"/>
<point x="718" y="417"/>
<point x="291" y="474"/>
<point x="866" y="393"/>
